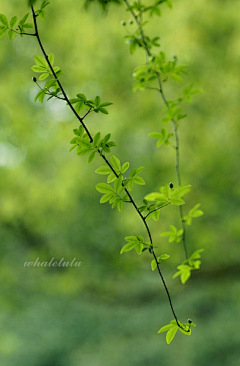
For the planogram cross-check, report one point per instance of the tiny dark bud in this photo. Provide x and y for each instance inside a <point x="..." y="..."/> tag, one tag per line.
<point x="123" y="23"/>
<point x="34" y="79"/>
<point x="130" y="21"/>
<point x="171" y="185"/>
<point x="189" y="321"/>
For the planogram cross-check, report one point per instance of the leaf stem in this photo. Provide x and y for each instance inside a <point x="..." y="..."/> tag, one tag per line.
<point x="138" y="20"/>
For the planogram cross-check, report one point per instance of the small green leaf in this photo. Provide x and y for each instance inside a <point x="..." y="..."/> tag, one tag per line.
<point x="163" y="257"/>
<point x="91" y="156"/>
<point x="103" y="170"/>
<point x="153" y="266"/>
<point x="125" y="167"/>
<point x="43" y="76"/>
<point x="118" y="184"/>
<point x="105" y="104"/>
<point x="13" y="21"/>
<point x="111" y="178"/>
<point x="177" y="201"/>
<point x="131" y="239"/>
<point x="96" y="139"/>
<point x="166" y="327"/>
<point x="79" y="106"/>
<point x="82" y="97"/>
<point x="185" y="276"/>
<point x="104" y="188"/>
<point x="155" y="135"/>
<point x="11" y="34"/>
<point x="102" y="110"/>
<point x="120" y="205"/>
<point x="51" y="58"/>
<point x="3" y="30"/>
<point x="115" y="163"/>
<point x="139" y="247"/>
<point x="128" y="247"/>
<point x="139" y="180"/>
<point x="97" y="101"/>
<point x="40" y="61"/>
<point x="106" y="197"/>
<point x="4" y="20"/>
<point x="171" y="334"/>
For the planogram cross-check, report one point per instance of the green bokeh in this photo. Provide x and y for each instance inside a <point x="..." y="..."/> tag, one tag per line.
<point x="108" y="311"/>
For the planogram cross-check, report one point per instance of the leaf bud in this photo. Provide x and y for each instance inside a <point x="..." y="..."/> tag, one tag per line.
<point x="130" y="21"/>
<point x="189" y="321"/>
<point x="123" y="23"/>
<point x="171" y="185"/>
<point x="34" y="79"/>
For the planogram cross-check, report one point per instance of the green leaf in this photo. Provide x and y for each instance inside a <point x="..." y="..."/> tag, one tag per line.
<point x="171" y="334"/>
<point x="139" y="180"/>
<point x="105" y="104"/>
<point x="135" y="171"/>
<point x="11" y="34"/>
<point x="96" y="139"/>
<point x="103" y="170"/>
<point x="74" y="100"/>
<point x="156" y="196"/>
<point x="40" y="96"/>
<point x="128" y="247"/>
<point x="181" y="190"/>
<point x="27" y="25"/>
<point x="125" y="167"/>
<point x="118" y="184"/>
<point x="38" y="68"/>
<point x="82" y="97"/>
<point x="79" y="106"/>
<point x="139" y="247"/>
<point x="155" y="135"/>
<point x="163" y="257"/>
<point x="153" y="267"/>
<point x="51" y="58"/>
<point x="185" y="276"/>
<point x="111" y="178"/>
<point x="97" y="101"/>
<point x="115" y="163"/>
<point x="91" y="156"/>
<point x="40" y="61"/>
<point x="13" y="21"/>
<point x="44" y="4"/>
<point x="102" y="110"/>
<point x="23" y="20"/>
<point x="4" y="20"/>
<point x="166" y="328"/>
<point x="106" y="197"/>
<point x="3" y="30"/>
<point x="177" y="201"/>
<point x="131" y="238"/>
<point x="43" y="76"/>
<point x="104" y="188"/>
<point x="120" y="205"/>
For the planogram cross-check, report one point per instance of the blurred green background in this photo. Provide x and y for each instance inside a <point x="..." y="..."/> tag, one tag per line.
<point x="108" y="311"/>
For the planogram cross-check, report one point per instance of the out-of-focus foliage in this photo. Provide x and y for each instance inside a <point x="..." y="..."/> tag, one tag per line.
<point x="109" y="310"/>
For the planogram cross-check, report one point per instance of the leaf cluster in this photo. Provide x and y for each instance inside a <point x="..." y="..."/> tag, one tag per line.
<point x="85" y="146"/>
<point x="136" y="242"/>
<point x="169" y="195"/>
<point x="173" y="327"/>
<point x="187" y="266"/>
<point x="95" y="105"/>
